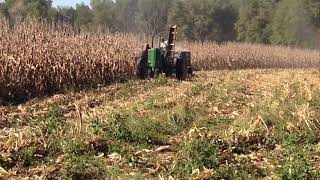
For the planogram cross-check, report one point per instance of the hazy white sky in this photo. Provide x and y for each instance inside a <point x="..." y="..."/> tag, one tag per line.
<point x="69" y="2"/>
<point x="66" y="2"/>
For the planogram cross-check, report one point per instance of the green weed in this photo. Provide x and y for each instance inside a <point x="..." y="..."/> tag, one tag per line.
<point x="197" y="89"/>
<point x="52" y="122"/>
<point x="182" y="117"/>
<point x="76" y="147"/>
<point x="134" y="129"/>
<point x="161" y="80"/>
<point x="84" y="167"/>
<point x="197" y="154"/>
<point x="30" y="156"/>
<point x="98" y="126"/>
<point x="25" y="157"/>
<point x="296" y="165"/>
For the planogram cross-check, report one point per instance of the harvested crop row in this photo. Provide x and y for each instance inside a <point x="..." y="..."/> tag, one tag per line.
<point x="38" y="59"/>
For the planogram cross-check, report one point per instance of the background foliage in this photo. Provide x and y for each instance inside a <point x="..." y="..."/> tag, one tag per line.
<point x="284" y="22"/>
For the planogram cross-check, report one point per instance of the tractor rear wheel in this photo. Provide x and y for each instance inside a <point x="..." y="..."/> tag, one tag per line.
<point x="143" y="66"/>
<point x="181" y="69"/>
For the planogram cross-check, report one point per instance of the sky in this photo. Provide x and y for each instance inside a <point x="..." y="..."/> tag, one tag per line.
<point x="69" y="2"/>
<point x="73" y="3"/>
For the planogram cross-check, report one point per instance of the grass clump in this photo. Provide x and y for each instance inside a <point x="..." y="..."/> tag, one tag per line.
<point x="197" y="154"/>
<point x="30" y="156"/>
<point x="133" y="129"/>
<point x="25" y="157"/>
<point x="51" y="123"/>
<point x="197" y="89"/>
<point x="84" y="167"/>
<point x="76" y="147"/>
<point x="231" y="173"/>
<point x="55" y="120"/>
<point x="97" y="126"/>
<point x="243" y="169"/>
<point x="297" y="165"/>
<point x="182" y="117"/>
<point x="161" y="80"/>
<point x="50" y="126"/>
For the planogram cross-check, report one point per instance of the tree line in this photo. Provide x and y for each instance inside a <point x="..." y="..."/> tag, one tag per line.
<point x="283" y="22"/>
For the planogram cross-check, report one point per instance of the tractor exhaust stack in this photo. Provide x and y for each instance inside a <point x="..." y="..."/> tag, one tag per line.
<point x="171" y="45"/>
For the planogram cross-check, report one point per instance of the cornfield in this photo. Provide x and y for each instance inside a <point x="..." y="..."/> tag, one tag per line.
<point x="38" y="59"/>
<point x="209" y="56"/>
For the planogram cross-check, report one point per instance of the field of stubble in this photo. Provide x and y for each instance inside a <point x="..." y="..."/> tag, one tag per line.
<point x="246" y="124"/>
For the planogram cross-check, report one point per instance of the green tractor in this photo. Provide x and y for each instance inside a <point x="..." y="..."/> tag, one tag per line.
<point x="165" y="59"/>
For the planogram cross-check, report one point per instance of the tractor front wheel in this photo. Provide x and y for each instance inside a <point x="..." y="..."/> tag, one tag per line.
<point x="143" y="66"/>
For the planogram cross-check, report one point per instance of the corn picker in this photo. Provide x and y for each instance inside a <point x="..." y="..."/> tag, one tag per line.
<point x="164" y="59"/>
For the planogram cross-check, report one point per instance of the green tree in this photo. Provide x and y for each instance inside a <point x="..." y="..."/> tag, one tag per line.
<point x="83" y="15"/>
<point x="225" y="17"/>
<point x="3" y="11"/>
<point x="20" y="9"/>
<point x="292" y="25"/>
<point x="255" y="17"/>
<point x="153" y="16"/>
<point x="313" y="9"/>
<point x="38" y="8"/>
<point x="125" y="13"/>
<point x="63" y="14"/>
<point x="204" y="19"/>
<point x="103" y="11"/>
<point x="17" y="9"/>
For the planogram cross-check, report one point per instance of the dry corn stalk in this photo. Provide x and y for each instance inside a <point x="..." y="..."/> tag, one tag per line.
<point x="38" y="59"/>
<point x="209" y="56"/>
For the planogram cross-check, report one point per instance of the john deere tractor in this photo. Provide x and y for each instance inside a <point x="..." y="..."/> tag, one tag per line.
<point x="155" y="61"/>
